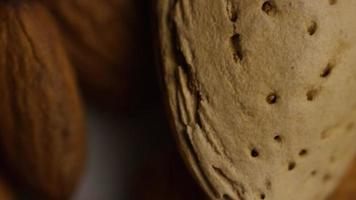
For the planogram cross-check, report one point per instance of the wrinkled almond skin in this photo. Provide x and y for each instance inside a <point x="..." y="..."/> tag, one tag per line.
<point x="108" y="42"/>
<point x="5" y="191"/>
<point x="41" y="121"/>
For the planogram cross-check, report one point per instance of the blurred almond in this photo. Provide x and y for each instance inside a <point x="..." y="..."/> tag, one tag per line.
<point x="109" y="44"/>
<point x="41" y="121"/>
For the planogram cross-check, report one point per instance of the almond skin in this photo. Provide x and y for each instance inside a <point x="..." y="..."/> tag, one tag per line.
<point x="41" y="125"/>
<point x="261" y="94"/>
<point x="109" y="44"/>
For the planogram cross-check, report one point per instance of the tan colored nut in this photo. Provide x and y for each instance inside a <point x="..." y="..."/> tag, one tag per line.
<point x="41" y="121"/>
<point x="261" y="93"/>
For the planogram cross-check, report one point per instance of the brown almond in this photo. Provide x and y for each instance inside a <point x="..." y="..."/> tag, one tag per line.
<point x="109" y="44"/>
<point x="41" y="121"/>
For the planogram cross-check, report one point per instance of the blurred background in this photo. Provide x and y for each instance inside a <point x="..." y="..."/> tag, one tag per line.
<point x="133" y="158"/>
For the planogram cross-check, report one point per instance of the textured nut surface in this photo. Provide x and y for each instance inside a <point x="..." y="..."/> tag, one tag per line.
<point x="261" y="93"/>
<point x="41" y="122"/>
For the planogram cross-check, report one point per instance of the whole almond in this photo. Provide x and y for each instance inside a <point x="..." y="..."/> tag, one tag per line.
<point x="261" y="93"/>
<point x="5" y="191"/>
<point x="108" y="42"/>
<point x="41" y="121"/>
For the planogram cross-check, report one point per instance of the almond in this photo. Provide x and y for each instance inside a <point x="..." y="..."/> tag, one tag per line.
<point x="261" y="93"/>
<point x="41" y="121"/>
<point x="108" y="42"/>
